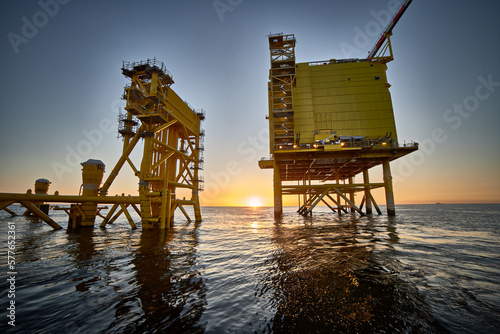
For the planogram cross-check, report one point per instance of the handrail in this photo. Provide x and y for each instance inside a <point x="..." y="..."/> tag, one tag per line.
<point x="150" y="62"/>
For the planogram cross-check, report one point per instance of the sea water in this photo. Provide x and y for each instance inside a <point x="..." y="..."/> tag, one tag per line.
<point x="429" y="269"/>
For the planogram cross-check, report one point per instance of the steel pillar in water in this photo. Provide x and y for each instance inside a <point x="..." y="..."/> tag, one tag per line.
<point x="278" y="197"/>
<point x="368" y="201"/>
<point x="389" y="192"/>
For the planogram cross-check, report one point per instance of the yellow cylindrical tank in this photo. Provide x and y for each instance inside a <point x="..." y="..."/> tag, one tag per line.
<point x="42" y="186"/>
<point x="92" y="174"/>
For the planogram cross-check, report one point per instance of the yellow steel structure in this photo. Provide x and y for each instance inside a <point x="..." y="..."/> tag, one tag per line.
<point x="173" y="143"/>
<point x="328" y="122"/>
<point x="172" y="157"/>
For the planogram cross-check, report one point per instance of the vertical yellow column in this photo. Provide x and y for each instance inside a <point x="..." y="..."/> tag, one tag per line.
<point x="305" y="191"/>
<point x="337" y="181"/>
<point x="389" y="192"/>
<point x="173" y="141"/>
<point x="278" y="197"/>
<point x="351" y="194"/>
<point x="164" y="223"/>
<point x="42" y="187"/>
<point x="195" y="197"/>
<point x="368" y="200"/>
<point x="144" y="180"/>
<point x="168" y="210"/>
<point x="92" y="173"/>
<point x="154" y="83"/>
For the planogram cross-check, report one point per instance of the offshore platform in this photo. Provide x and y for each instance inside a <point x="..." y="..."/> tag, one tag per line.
<point x="172" y="159"/>
<point x="328" y="122"/>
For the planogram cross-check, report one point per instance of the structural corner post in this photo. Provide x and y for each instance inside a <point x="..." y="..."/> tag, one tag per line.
<point x="278" y="200"/>
<point x="389" y="192"/>
<point x="351" y="194"/>
<point x="366" y="181"/>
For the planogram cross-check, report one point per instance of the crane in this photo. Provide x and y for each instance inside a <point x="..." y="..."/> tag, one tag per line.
<point x="388" y="30"/>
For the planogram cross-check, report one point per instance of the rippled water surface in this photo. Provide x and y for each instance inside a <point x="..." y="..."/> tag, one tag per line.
<point x="432" y="268"/>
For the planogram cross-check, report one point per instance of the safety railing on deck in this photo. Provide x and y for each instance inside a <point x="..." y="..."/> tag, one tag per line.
<point x="348" y="144"/>
<point x="126" y="65"/>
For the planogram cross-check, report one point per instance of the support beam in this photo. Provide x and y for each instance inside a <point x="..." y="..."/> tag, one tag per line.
<point x="109" y="215"/>
<point x="389" y="192"/>
<point x="348" y="201"/>
<point x="328" y="205"/>
<point x="332" y="199"/>
<point x="162" y="160"/>
<point x="362" y="203"/>
<point x="131" y="164"/>
<point x="119" y="164"/>
<point x="12" y="213"/>
<point x="40" y="214"/>
<point x="136" y="209"/>
<point x="307" y="204"/>
<point x="168" y="147"/>
<point x="366" y="180"/>
<point x="278" y="196"/>
<point x="184" y="212"/>
<point x="163" y="210"/>
<point x="351" y="194"/>
<point x="4" y="206"/>
<point x="164" y="126"/>
<point x="316" y="201"/>
<point x="68" y="198"/>
<point x="116" y="216"/>
<point x="375" y="204"/>
<point x="129" y="218"/>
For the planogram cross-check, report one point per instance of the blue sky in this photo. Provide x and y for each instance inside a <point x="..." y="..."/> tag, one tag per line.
<point x="61" y="86"/>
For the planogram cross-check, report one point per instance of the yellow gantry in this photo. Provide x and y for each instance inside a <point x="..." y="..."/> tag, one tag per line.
<point x="172" y="158"/>
<point x="173" y="143"/>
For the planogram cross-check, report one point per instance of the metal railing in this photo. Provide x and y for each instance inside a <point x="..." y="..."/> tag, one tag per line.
<point x="366" y="143"/>
<point x="154" y="63"/>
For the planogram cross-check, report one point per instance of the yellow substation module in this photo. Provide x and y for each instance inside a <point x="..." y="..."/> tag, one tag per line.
<point x="328" y="122"/>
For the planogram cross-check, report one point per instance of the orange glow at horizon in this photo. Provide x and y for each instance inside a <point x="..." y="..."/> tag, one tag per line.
<point x="255" y="189"/>
<point x="254" y="202"/>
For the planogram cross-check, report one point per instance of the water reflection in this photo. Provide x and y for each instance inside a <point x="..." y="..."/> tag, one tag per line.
<point x="339" y="275"/>
<point x="168" y="282"/>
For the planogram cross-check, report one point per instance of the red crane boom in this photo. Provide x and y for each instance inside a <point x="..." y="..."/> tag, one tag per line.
<point x="388" y="29"/>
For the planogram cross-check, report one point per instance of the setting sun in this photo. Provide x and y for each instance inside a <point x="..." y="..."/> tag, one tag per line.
<point x="254" y="202"/>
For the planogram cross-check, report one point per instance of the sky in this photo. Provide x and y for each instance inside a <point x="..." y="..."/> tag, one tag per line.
<point x="61" y="87"/>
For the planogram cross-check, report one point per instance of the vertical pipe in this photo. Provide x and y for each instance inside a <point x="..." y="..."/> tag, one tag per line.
<point x="169" y="212"/>
<point x="305" y="191"/>
<point x="337" y="181"/>
<point x="172" y="170"/>
<point x="389" y="192"/>
<point x="309" y="189"/>
<point x="196" y="176"/>
<point x="144" y="186"/>
<point x="366" y="181"/>
<point x="351" y="194"/>
<point x="154" y="83"/>
<point x="163" y="209"/>
<point x="278" y="197"/>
